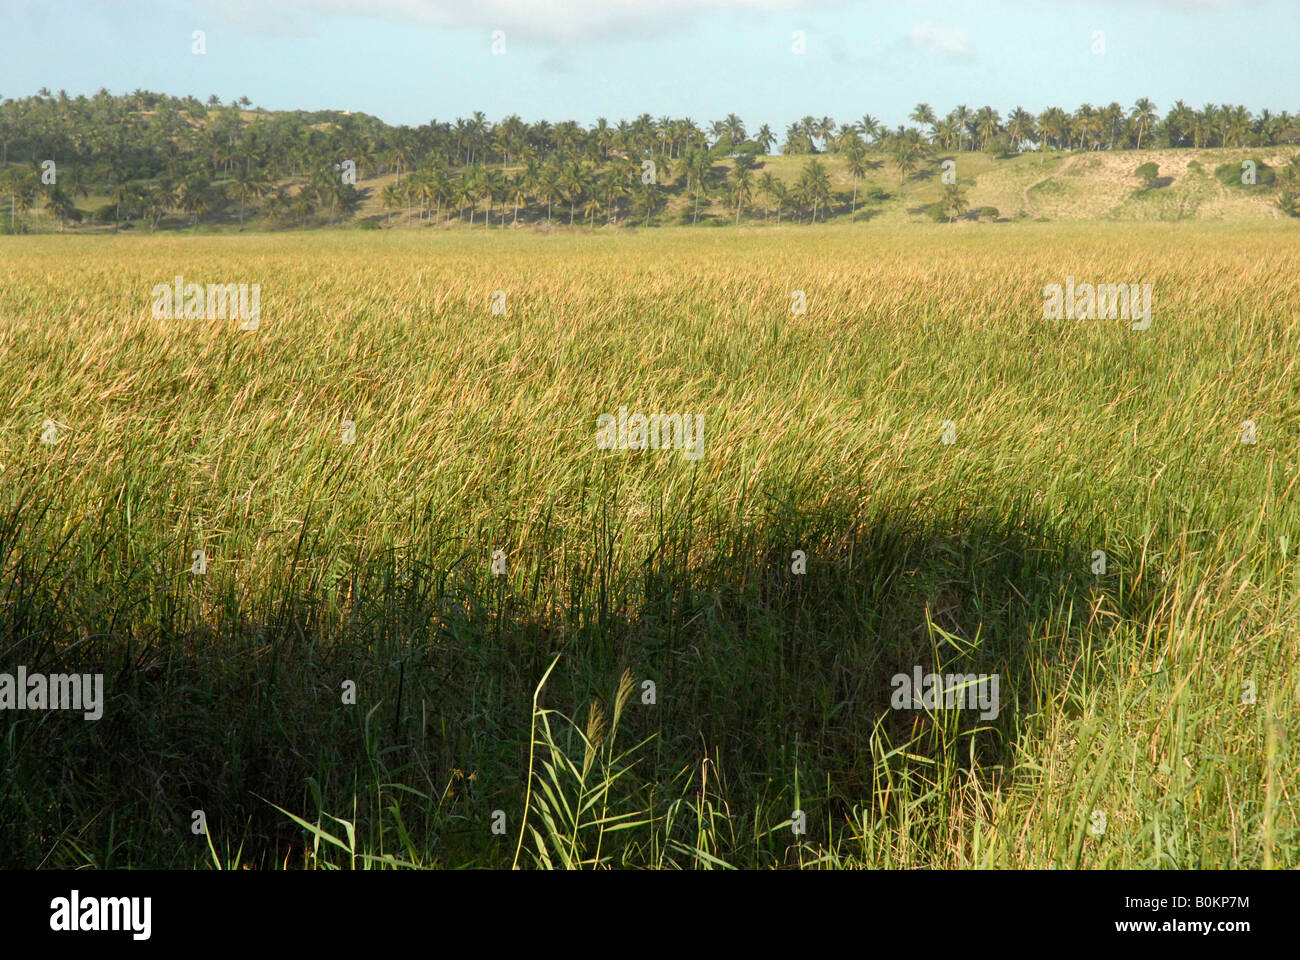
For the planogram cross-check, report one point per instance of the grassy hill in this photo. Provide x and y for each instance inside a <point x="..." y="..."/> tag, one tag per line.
<point x="1056" y="186"/>
<point x="1050" y="186"/>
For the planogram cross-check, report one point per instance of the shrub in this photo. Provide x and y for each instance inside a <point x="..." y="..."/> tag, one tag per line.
<point x="999" y="147"/>
<point x="1231" y="174"/>
<point x="1148" y="174"/>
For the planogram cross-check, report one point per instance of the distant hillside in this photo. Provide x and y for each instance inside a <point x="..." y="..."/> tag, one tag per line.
<point x="1052" y="185"/>
<point x="149" y="162"/>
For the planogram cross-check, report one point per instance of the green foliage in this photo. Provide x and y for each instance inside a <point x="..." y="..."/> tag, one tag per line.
<point x="999" y="146"/>
<point x="1288" y="180"/>
<point x="954" y="201"/>
<point x="1233" y="175"/>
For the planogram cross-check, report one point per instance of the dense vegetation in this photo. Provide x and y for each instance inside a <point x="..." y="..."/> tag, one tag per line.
<point x="1149" y="704"/>
<point x="147" y="157"/>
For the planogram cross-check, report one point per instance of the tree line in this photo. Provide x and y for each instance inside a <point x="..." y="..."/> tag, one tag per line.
<point x="155" y="156"/>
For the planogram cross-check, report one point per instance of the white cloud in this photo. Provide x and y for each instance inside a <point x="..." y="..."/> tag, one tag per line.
<point x="939" y="41"/>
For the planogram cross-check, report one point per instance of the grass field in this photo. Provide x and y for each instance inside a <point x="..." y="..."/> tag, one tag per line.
<point x="1148" y="713"/>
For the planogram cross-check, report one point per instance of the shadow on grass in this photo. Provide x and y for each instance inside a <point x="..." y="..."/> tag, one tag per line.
<point x="864" y="214"/>
<point x="760" y="674"/>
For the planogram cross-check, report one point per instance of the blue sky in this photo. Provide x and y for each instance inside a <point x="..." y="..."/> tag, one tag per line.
<point x="409" y="61"/>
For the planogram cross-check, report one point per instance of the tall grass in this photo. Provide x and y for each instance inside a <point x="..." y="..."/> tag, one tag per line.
<point x="1122" y="693"/>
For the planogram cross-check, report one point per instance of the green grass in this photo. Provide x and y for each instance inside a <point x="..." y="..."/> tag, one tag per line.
<point x="524" y="693"/>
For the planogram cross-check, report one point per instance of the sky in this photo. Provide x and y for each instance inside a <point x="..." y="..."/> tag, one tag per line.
<point x="412" y="61"/>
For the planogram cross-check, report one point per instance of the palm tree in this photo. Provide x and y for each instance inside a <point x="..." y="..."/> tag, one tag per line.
<point x="491" y="186"/>
<point x="1054" y="124"/>
<point x="700" y="166"/>
<point x="945" y="132"/>
<point x="1020" y="127"/>
<point x="78" y="183"/>
<point x="249" y="182"/>
<point x="117" y="192"/>
<point x="518" y="191"/>
<point x="954" y="201"/>
<point x="60" y="205"/>
<point x="1178" y="124"/>
<point x="613" y="185"/>
<point x="961" y="119"/>
<point x="1083" y="122"/>
<point x="303" y="205"/>
<point x="742" y="179"/>
<point x="277" y="204"/>
<point x="461" y="195"/>
<point x="24" y="204"/>
<point x="855" y="160"/>
<point x="825" y="131"/>
<point x="646" y="200"/>
<point x="1144" y="112"/>
<point x="870" y="127"/>
<point x="768" y="185"/>
<point x="735" y="129"/>
<point x="765" y="138"/>
<point x="1110" y="119"/>
<point x="161" y="198"/>
<point x="1239" y="124"/>
<point x="799" y="137"/>
<point x="815" y="186"/>
<point x="987" y="124"/>
<point x="907" y="154"/>
<point x="547" y="186"/>
<point x="195" y="198"/>
<point x="472" y="189"/>
<point x="923" y="114"/>
<point x="573" y="183"/>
